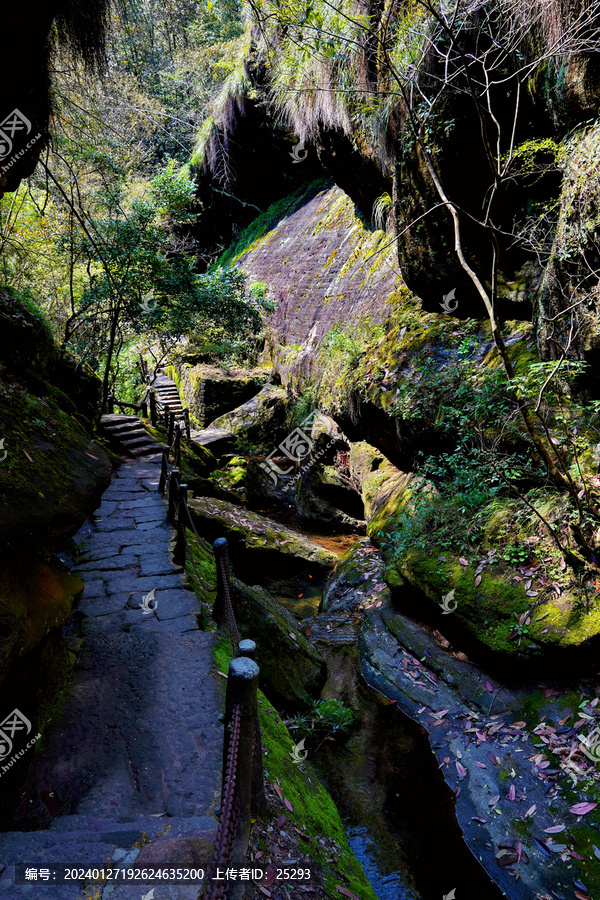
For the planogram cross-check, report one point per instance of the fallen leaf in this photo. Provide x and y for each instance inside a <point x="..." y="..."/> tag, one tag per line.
<point x="555" y="829"/>
<point x="489" y="687"/>
<point x="463" y="561"/>
<point x="264" y="890"/>
<point x="542" y="847"/>
<point x="512" y="792"/>
<point x="281" y="820"/>
<point x="480" y="765"/>
<point x="581" y="809"/>
<point x="28" y="456"/>
<point x="345" y="892"/>
<point x="477" y="580"/>
<point x="277" y="790"/>
<point x="461" y="770"/>
<point x="90" y="454"/>
<point x="530" y="811"/>
<point x="288" y="804"/>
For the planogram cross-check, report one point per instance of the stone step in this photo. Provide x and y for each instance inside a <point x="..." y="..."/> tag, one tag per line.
<point x="86" y="841"/>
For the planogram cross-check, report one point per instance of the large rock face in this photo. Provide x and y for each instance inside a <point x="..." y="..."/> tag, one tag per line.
<point x="323" y="266"/>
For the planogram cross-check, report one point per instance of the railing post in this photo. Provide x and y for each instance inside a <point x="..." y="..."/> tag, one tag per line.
<point x="144" y="409"/>
<point x="167" y="412"/>
<point x="164" y="470"/>
<point x="171" y="429"/>
<point x="177" y="446"/>
<point x="258" y="801"/>
<point x="242" y="685"/>
<point x="180" y="549"/>
<point x="186" y="418"/>
<point x="153" y="418"/>
<point x="220" y="548"/>
<point x="173" y="495"/>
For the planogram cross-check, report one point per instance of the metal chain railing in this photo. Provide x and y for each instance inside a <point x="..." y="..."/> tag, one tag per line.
<point x="230" y="812"/>
<point x="242" y="790"/>
<point x="223" y="584"/>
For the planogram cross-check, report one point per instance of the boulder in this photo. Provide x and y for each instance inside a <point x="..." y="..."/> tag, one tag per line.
<point x="292" y="671"/>
<point x="267" y="542"/>
<point x="210" y="391"/>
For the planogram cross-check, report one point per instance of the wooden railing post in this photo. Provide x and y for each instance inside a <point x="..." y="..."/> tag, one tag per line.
<point x="164" y="469"/>
<point x="144" y="408"/>
<point x="186" y="418"/>
<point x="220" y="547"/>
<point x="179" y="555"/>
<point x="166" y="414"/>
<point x="258" y="801"/>
<point x="171" y="428"/>
<point x="153" y="417"/>
<point x="242" y="685"/>
<point x="177" y="445"/>
<point x="173" y="495"/>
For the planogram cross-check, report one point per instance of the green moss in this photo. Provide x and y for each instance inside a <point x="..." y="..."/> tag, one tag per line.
<point x="314" y="812"/>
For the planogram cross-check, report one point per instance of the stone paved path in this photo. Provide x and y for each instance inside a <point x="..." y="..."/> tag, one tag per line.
<point x="135" y="759"/>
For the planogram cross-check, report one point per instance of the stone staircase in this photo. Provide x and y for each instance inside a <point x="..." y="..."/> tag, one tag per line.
<point x="168" y="395"/>
<point x="129" y="435"/>
<point x="128" y="774"/>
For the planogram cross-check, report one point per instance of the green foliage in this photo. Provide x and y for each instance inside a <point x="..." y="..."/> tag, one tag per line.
<point x="333" y="714"/>
<point x="516" y="554"/>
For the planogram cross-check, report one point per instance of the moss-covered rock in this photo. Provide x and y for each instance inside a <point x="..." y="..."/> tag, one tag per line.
<point x="292" y="671"/>
<point x="209" y="391"/>
<point x="35" y="597"/>
<point x="51" y="472"/>
<point x="314" y="812"/>
<point x="248" y="531"/>
<point x="230" y="480"/>
<point x="258" y="419"/>
<point x="357" y="582"/>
